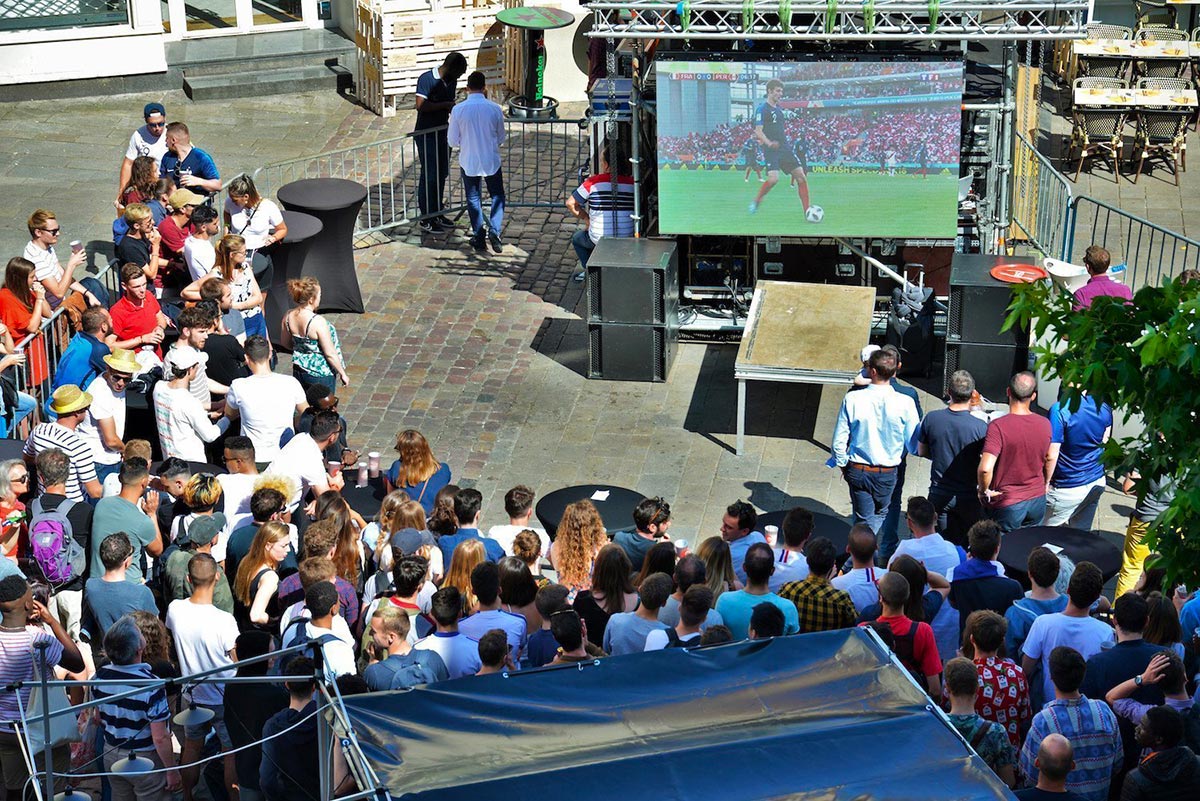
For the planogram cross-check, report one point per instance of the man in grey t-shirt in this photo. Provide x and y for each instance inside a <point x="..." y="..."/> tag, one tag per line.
<point x="688" y="571"/>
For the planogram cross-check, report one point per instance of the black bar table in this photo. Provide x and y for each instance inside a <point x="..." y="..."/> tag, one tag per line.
<point x="289" y="257"/>
<point x="335" y="202"/>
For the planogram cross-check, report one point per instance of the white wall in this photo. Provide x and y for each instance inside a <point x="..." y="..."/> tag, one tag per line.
<point x="65" y="54"/>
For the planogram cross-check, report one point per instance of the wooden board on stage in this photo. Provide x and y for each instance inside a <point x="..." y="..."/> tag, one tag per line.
<point x="818" y="328"/>
<point x="802" y="333"/>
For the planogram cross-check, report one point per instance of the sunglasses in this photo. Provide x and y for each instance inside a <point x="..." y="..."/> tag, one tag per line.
<point x="20" y="479"/>
<point x="156" y="125"/>
<point x="52" y="231"/>
<point x="122" y="377"/>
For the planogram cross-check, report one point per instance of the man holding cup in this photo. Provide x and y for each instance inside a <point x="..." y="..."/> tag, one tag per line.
<point x="44" y="233"/>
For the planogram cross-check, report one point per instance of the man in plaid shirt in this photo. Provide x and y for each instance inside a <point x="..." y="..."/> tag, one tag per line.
<point x="1090" y="726"/>
<point x="821" y="606"/>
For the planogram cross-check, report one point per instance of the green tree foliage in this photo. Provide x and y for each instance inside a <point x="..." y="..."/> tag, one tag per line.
<point x="1142" y="359"/>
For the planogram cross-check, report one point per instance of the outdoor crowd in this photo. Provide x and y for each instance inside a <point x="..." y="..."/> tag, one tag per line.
<point x="121" y="567"/>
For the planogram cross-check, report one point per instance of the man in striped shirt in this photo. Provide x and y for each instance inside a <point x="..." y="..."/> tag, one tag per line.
<point x="606" y="208"/>
<point x="21" y="636"/>
<point x="1091" y="727"/>
<point x="71" y="404"/>
<point x="135" y="724"/>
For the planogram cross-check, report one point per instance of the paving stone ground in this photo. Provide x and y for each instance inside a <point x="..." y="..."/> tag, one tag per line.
<point x="485" y="355"/>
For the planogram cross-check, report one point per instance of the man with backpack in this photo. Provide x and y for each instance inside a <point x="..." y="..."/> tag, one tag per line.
<point x="693" y="610"/>
<point x="59" y="532"/>
<point x="197" y="537"/>
<point x="914" y="645"/>
<point x="986" y="737"/>
<point x="402" y="666"/>
<point x="321" y="601"/>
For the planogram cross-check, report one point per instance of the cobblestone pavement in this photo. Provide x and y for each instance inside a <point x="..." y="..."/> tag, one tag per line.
<point x="485" y="355"/>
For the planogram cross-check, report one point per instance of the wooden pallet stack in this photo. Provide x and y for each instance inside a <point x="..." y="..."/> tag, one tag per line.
<point x="400" y="39"/>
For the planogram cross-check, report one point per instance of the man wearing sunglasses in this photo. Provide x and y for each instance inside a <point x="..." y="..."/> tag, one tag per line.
<point x="148" y="140"/>
<point x="104" y="425"/>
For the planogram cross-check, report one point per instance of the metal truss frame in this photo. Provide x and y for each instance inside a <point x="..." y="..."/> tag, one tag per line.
<point x="856" y="20"/>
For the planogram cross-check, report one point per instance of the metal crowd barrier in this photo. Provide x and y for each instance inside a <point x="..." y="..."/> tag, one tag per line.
<point x="45" y="348"/>
<point x="1149" y="252"/>
<point x="1041" y="198"/>
<point x="541" y="161"/>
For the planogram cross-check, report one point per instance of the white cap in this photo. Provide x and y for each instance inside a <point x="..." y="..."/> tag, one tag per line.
<point x="867" y="351"/>
<point x="184" y="357"/>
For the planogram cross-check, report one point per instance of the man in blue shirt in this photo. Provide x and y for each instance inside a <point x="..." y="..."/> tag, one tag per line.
<point x="190" y="167"/>
<point x="402" y="667"/>
<point x="952" y="439"/>
<point x="1077" y="438"/>
<point x="485" y="583"/>
<point x="737" y="606"/>
<point x="874" y="429"/>
<point x="83" y="359"/>
<point x="466" y="508"/>
<point x="737" y="529"/>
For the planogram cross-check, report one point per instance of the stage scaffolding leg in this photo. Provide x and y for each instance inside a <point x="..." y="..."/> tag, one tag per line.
<point x="741" y="416"/>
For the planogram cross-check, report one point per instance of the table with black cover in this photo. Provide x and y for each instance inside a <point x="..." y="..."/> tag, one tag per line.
<point x="335" y="202"/>
<point x="11" y="449"/>
<point x="196" y="468"/>
<point x="288" y="260"/>
<point x="1079" y="545"/>
<point x="836" y="529"/>
<point x="616" y="511"/>
<point x="364" y="500"/>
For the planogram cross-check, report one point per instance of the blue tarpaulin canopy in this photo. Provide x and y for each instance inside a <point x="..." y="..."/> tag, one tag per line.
<point x="815" y="716"/>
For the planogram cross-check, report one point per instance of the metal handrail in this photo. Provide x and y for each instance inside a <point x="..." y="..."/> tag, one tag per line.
<point x="1149" y="251"/>
<point x="1042" y="215"/>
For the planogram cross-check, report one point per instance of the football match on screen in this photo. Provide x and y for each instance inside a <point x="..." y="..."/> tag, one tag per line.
<point x="809" y="149"/>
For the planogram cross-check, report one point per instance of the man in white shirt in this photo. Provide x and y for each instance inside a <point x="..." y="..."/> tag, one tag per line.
<point x="44" y="233"/>
<point x="195" y="324"/>
<point x="790" y="564"/>
<point x="149" y="140"/>
<point x="477" y="130"/>
<point x="321" y="601"/>
<point x="303" y="457"/>
<point x="518" y="505"/>
<point x="183" y="424"/>
<point x="859" y="580"/>
<point x="457" y="650"/>
<point x="237" y="486"/>
<point x="198" y="250"/>
<point x="205" y="638"/>
<point x="267" y="403"/>
<point x="104" y="424"/>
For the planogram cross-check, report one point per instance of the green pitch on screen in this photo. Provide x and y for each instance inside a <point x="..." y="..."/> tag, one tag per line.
<point x="716" y="201"/>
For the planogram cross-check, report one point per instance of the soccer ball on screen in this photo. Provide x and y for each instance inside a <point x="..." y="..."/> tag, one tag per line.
<point x="814" y="214"/>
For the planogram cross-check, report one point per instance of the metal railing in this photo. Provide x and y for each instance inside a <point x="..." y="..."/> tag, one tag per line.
<point x="43" y="350"/>
<point x="1150" y="252"/>
<point x="1041" y="198"/>
<point x="541" y="161"/>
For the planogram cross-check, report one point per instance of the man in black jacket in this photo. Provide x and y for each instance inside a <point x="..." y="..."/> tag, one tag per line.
<point x="1170" y="771"/>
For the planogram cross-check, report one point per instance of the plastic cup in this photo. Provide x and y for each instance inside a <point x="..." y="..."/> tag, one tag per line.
<point x="772" y="534"/>
<point x="362" y="475"/>
<point x="681" y="548"/>
<point x="335" y="467"/>
<point x="373" y="463"/>
<point x="76" y="246"/>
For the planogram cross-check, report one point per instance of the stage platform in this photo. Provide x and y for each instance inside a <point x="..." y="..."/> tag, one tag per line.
<point x="802" y="334"/>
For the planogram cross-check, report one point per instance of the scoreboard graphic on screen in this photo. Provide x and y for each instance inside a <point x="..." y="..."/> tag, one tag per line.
<point x="809" y="148"/>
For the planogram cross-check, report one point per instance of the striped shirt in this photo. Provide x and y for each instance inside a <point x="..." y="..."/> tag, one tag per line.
<point x="83" y="467"/>
<point x="127" y="720"/>
<point x="607" y="215"/>
<point x="17" y="655"/>
<point x="1092" y="729"/>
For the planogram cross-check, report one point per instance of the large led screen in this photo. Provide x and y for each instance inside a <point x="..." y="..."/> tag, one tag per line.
<point x="815" y="148"/>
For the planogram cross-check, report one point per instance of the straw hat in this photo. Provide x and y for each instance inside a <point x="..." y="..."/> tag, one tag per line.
<point x="123" y="361"/>
<point x="69" y="398"/>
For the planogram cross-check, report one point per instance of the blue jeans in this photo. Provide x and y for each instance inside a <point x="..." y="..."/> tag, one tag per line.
<point x="1018" y="515"/>
<point x="870" y="495"/>
<point x="103" y="471"/>
<point x="25" y="405"/>
<point x="474" y="194"/>
<point x="584" y="245"/>
<point x="889" y="537"/>
<point x="957" y="512"/>
<point x="96" y="288"/>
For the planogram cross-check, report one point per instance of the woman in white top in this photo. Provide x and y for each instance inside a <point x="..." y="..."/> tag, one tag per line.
<point x="258" y="220"/>
<point x="234" y="266"/>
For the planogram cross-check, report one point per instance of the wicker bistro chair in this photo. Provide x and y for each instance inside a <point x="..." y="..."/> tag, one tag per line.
<point x="1102" y="30"/>
<point x="1145" y="12"/>
<point x="1160" y="68"/>
<point x="1161" y="133"/>
<point x="1092" y="82"/>
<point x="1098" y="132"/>
<point x="1101" y="66"/>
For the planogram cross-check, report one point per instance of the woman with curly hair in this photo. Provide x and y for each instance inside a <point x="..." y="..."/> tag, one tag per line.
<point x="611" y="592"/>
<point x="579" y="538"/>
<point x="718" y="566"/>
<point x="159" y="654"/>
<point x="467" y="556"/>
<point x="417" y="471"/>
<point x="442" y="520"/>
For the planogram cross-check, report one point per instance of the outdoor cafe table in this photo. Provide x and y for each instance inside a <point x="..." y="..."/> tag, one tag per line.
<point x="1152" y="49"/>
<point x="1135" y="98"/>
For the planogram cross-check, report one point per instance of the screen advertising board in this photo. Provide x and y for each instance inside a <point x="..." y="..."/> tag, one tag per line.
<point x="809" y="148"/>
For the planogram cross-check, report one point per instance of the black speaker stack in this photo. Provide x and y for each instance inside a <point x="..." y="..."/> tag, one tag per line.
<point x="974" y="342"/>
<point x="633" y="309"/>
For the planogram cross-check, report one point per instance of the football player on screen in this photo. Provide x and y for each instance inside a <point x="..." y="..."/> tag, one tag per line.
<point x="769" y="132"/>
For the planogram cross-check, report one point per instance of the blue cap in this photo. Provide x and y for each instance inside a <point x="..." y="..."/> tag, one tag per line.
<point x="154" y="108"/>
